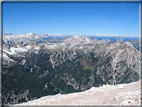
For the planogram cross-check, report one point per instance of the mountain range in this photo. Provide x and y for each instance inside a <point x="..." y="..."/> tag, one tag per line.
<point x="64" y="65"/>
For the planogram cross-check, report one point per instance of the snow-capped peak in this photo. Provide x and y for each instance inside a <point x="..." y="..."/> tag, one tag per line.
<point x="78" y="40"/>
<point x="82" y="37"/>
<point x="29" y="34"/>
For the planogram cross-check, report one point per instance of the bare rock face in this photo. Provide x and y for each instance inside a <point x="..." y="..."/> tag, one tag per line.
<point x="125" y="63"/>
<point x="33" y="44"/>
<point x="20" y="44"/>
<point x="5" y="48"/>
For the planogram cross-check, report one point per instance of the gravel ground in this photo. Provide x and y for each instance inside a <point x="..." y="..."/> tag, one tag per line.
<point x="121" y="94"/>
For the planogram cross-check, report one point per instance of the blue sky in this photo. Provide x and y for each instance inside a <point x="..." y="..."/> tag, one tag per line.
<point x="71" y="18"/>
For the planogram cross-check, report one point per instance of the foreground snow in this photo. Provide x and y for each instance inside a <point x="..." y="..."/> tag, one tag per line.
<point x="126" y="94"/>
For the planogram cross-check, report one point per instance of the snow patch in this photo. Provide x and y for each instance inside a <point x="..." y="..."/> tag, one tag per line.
<point x="51" y="46"/>
<point x="28" y="47"/>
<point x="15" y="50"/>
<point x="5" y="57"/>
<point x="121" y="86"/>
<point x="37" y="47"/>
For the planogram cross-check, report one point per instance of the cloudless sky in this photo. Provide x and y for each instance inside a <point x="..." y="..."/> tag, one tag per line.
<point x="71" y="18"/>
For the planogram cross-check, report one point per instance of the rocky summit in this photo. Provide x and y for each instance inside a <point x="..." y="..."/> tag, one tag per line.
<point x="109" y="95"/>
<point x="34" y="67"/>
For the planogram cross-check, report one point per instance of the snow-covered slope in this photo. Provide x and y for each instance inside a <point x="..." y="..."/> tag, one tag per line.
<point x="121" y="94"/>
<point x="16" y="51"/>
<point x="78" y="40"/>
